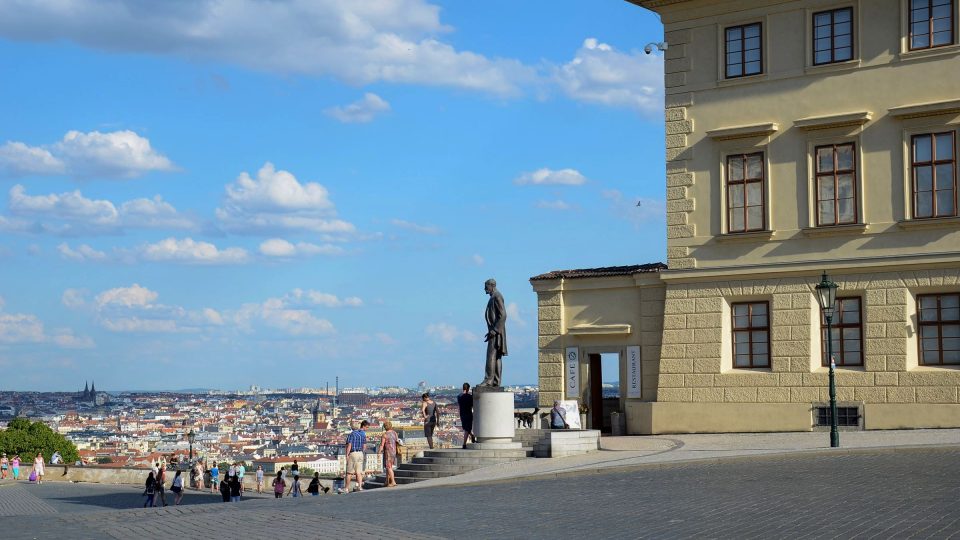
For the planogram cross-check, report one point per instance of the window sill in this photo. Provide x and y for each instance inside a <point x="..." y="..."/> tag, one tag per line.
<point x="835" y="66"/>
<point x="930" y="223"/>
<point x="836" y="230"/>
<point x="742" y="80"/>
<point x="753" y="236"/>
<point x="933" y="368"/>
<point x="839" y="369"/>
<point x="927" y="53"/>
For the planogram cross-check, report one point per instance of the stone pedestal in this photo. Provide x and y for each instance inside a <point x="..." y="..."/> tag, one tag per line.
<point x="493" y="423"/>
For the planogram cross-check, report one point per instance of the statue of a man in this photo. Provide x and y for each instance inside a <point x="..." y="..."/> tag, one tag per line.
<point x="496" y="338"/>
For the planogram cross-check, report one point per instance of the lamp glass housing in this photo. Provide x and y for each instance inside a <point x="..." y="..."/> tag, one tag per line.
<point x="827" y="296"/>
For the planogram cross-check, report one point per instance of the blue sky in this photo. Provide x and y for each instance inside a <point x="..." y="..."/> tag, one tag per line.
<point x="218" y="194"/>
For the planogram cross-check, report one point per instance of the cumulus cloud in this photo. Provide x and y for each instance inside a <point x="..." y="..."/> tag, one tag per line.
<point x="66" y="339"/>
<point x="544" y="177"/>
<point x="449" y="334"/>
<point x="117" y="154"/>
<point x="190" y="251"/>
<point x="294" y="313"/>
<point x="82" y="253"/>
<point x="360" y="112"/>
<point x="415" y="227"/>
<point x="276" y="200"/>
<point x="134" y="309"/>
<point x="513" y="314"/>
<point x="603" y="75"/>
<point x="280" y="248"/>
<point x="26" y="328"/>
<point x="74" y="298"/>
<point x="357" y="42"/>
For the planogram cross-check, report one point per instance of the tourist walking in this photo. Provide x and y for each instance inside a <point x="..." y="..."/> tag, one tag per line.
<point x="38" y="467"/>
<point x="150" y="489"/>
<point x="4" y="464"/>
<point x="214" y="478"/>
<point x="388" y="446"/>
<point x="295" y="487"/>
<point x="431" y="417"/>
<point x="279" y="484"/>
<point x="241" y="470"/>
<point x="259" y="478"/>
<point x="465" y="403"/>
<point x="236" y="488"/>
<point x="199" y="475"/>
<point x="558" y="416"/>
<point x="314" y="488"/>
<point x="295" y="468"/>
<point x="15" y="466"/>
<point x="177" y="487"/>
<point x="225" y="489"/>
<point x="356" y="441"/>
<point x="161" y="498"/>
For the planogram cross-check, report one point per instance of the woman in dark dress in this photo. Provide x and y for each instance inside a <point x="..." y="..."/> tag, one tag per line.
<point x="150" y="490"/>
<point x="225" y="489"/>
<point x="235" y="488"/>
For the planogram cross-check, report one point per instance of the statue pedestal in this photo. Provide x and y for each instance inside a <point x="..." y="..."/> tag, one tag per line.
<point x="493" y="423"/>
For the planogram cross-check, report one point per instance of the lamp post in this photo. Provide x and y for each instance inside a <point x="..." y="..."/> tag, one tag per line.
<point x="191" y="437"/>
<point x="827" y="296"/>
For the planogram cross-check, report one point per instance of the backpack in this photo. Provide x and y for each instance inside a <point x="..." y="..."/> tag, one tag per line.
<point x="314" y="486"/>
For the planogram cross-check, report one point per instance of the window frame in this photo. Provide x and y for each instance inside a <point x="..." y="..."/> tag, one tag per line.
<point x="743" y="61"/>
<point x="839" y="326"/>
<point x="813" y="36"/>
<point x="933" y="163"/>
<point x="751" y="329"/>
<point x="910" y="22"/>
<point x="762" y="180"/>
<point x="835" y="173"/>
<point x="939" y="323"/>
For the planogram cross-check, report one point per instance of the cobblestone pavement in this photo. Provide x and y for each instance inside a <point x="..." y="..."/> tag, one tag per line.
<point x="868" y="493"/>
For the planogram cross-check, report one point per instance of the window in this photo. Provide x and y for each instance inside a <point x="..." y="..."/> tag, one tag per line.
<point x="846" y="416"/>
<point x="933" y="161"/>
<point x="836" y="184"/>
<point x="847" y="333"/>
<point x="751" y="335"/>
<point x="745" y="197"/>
<point x="744" y="50"/>
<point x="833" y="36"/>
<point x="931" y="23"/>
<point x="939" y="318"/>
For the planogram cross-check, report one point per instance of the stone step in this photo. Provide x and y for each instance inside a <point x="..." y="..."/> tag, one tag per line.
<point x="436" y="467"/>
<point x="421" y="475"/>
<point x="499" y="453"/>
<point x="478" y="462"/>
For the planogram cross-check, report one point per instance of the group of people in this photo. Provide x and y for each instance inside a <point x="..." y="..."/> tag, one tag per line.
<point x="7" y="464"/>
<point x="155" y="489"/>
<point x="280" y="484"/>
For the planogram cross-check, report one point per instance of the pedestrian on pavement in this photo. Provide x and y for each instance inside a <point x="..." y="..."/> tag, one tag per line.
<point x="388" y="446"/>
<point x="4" y="465"/>
<point x="15" y="466"/>
<point x="558" y="416"/>
<point x="161" y="478"/>
<point x="241" y="470"/>
<point x="225" y="489"/>
<point x="259" y="478"/>
<point x="38" y="467"/>
<point x="431" y="417"/>
<point x="279" y="484"/>
<point x="295" y="469"/>
<point x="236" y="488"/>
<point x="295" y="487"/>
<point x="356" y="441"/>
<point x="150" y="489"/>
<point x="177" y="487"/>
<point x="199" y="475"/>
<point x="465" y="402"/>
<point x="214" y="477"/>
<point x="232" y="471"/>
<point x="314" y="488"/>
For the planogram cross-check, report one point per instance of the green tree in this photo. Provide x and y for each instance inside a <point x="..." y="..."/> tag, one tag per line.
<point x="103" y="460"/>
<point x="306" y="472"/>
<point x="27" y="438"/>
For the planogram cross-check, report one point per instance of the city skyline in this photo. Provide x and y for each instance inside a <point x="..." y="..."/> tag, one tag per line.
<point x="202" y="198"/>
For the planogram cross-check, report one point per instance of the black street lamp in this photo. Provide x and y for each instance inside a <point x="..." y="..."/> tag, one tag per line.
<point x="191" y="437"/>
<point x="827" y="296"/>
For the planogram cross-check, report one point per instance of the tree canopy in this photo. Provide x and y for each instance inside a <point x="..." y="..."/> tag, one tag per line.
<point x="26" y="438"/>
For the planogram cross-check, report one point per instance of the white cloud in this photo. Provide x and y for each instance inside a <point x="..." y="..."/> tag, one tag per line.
<point x="190" y="251"/>
<point x="74" y="298"/>
<point x="24" y="328"/>
<point x="131" y="296"/>
<point x="300" y="297"/>
<point x="544" y="177"/>
<point x="448" y="333"/>
<point x="2" y="302"/>
<point x="558" y="204"/>
<point x="360" y="112"/>
<point x="117" y="154"/>
<point x="477" y="259"/>
<point x="134" y="309"/>
<point x="82" y="253"/>
<point x="293" y="313"/>
<point x="513" y="314"/>
<point x="603" y="75"/>
<point x="71" y="213"/>
<point x="358" y="42"/>
<point x="278" y="247"/>
<point x="416" y="227"/>
<point x="276" y="200"/>
<point x="66" y="339"/>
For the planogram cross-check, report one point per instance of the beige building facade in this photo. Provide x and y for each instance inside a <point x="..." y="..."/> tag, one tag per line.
<point x="802" y="137"/>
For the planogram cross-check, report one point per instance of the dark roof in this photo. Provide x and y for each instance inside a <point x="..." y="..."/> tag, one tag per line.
<point x="606" y="271"/>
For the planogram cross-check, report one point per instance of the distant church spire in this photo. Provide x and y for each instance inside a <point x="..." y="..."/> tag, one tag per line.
<point x="86" y="388"/>
<point x="93" y="388"/>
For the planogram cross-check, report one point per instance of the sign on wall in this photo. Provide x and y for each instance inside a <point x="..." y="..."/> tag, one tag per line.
<point x="573" y="373"/>
<point x="633" y="372"/>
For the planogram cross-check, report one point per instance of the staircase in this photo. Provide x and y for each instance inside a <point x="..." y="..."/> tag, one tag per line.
<point x="448" y="462"/>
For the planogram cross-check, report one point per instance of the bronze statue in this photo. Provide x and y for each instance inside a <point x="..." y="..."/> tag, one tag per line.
<point x="496" y="338"/>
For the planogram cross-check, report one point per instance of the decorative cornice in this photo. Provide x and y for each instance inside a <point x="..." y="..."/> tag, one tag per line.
<point x="834" y="121"/>
<point x="739" y="132"/>
<point x="926" y="109"/>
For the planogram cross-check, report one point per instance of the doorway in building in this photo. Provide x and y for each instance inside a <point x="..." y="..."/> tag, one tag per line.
<point x="604" y="389"/>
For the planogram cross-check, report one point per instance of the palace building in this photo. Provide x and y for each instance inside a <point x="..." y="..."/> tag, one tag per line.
<point x="802" y="137"/>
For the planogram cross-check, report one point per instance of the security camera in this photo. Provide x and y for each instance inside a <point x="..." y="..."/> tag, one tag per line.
<point x="661" y="46"/>
<point x="648" y="49"/>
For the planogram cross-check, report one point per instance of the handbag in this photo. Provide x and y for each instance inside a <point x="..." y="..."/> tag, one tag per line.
<point x="33" y="476"/>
